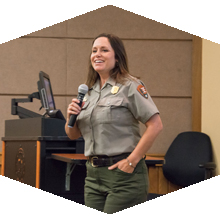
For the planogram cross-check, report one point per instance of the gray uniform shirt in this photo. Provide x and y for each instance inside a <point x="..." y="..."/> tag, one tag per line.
<point x="109" y="119"/>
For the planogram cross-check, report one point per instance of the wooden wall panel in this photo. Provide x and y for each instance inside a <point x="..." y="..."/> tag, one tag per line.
<point x="159" y="54"/>
<point x="197" y="83"/>
<point x="153" y="179"/>
<point x="176" y="117"/>
<point x="164" y="66"/>
<point x="163" y="184"/>
<point x="111" y="19"/>
<point x="123" y="23"/>
<point x="22" y="59"/>
<point x="78" y="53"/>
<point x="158" y="183"/>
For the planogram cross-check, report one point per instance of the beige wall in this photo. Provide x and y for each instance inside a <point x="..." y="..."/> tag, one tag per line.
<point x="211" y="95"/>
<point x="159" y="54"/>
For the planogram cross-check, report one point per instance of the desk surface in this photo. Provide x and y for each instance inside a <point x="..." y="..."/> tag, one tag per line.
<point x="81" y="158"/>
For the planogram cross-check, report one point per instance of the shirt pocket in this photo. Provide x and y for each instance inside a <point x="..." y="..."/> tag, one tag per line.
<point x="105" y="109"/>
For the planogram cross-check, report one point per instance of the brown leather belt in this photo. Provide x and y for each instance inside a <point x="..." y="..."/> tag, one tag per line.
<point x="103" y="160"/>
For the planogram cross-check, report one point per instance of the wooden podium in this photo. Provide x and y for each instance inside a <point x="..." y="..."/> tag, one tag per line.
<point x="27" y="150"/>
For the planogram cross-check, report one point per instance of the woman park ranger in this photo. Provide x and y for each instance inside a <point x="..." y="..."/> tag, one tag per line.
<point x="109" y="123"/>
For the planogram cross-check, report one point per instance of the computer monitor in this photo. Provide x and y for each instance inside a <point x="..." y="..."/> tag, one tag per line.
<point x="46" y="96"/>
<point x="45" y="92"/>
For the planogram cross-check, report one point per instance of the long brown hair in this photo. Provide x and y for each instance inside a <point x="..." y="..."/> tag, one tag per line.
<point x="120" y="72"/>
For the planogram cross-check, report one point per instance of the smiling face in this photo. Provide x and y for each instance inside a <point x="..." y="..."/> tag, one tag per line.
<point x="102" y="56"/>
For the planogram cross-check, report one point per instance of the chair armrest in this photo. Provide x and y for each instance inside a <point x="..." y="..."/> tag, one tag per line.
<point x="208" y="166"/>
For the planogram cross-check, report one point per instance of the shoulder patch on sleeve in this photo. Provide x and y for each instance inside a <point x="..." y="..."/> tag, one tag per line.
<point x="142" y="90"/>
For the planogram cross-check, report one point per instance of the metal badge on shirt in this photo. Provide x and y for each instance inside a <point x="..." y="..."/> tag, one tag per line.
<point x="114" y="89"/>
<point x="142" y="90"/>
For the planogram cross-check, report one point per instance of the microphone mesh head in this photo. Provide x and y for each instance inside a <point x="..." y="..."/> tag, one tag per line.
<point x="83" y="89"/>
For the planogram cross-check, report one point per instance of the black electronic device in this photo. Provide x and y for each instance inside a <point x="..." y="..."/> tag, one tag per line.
<point x="82" y="90"/>
<point x="45" y="94"/>
<point x="45" y="91"/>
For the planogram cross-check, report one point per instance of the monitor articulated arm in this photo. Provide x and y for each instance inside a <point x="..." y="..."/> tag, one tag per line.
<point x="22" y="112"/>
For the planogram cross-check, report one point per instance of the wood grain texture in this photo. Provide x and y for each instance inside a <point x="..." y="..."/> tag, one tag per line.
<point x="3" y="159"/>
<point x="38" y="148"/>
<point x="196" y="83"/>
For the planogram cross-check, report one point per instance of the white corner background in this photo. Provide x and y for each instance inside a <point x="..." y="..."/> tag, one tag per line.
<point x="20" y="201"/>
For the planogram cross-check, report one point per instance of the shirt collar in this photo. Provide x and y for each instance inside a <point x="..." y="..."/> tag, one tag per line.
<point x="96" y="86"/>
<point x="111" y="81"/>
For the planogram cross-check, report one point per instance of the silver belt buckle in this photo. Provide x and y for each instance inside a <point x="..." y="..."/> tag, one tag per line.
<point x="92" y="161"/>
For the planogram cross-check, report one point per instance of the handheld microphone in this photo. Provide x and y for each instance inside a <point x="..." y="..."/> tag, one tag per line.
<point x="82" y="90"/>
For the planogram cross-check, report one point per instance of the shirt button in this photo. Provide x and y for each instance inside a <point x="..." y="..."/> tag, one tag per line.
<point x="108" y="103"/>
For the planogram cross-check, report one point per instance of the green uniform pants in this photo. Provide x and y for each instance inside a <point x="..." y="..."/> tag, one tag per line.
<point x="111" y="191"/>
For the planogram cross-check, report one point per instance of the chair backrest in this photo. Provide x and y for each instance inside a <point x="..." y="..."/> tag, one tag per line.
<point x="187" y="151"/>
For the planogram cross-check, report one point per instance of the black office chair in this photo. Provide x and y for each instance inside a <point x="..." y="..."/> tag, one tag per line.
<point x="188" y="160"/>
